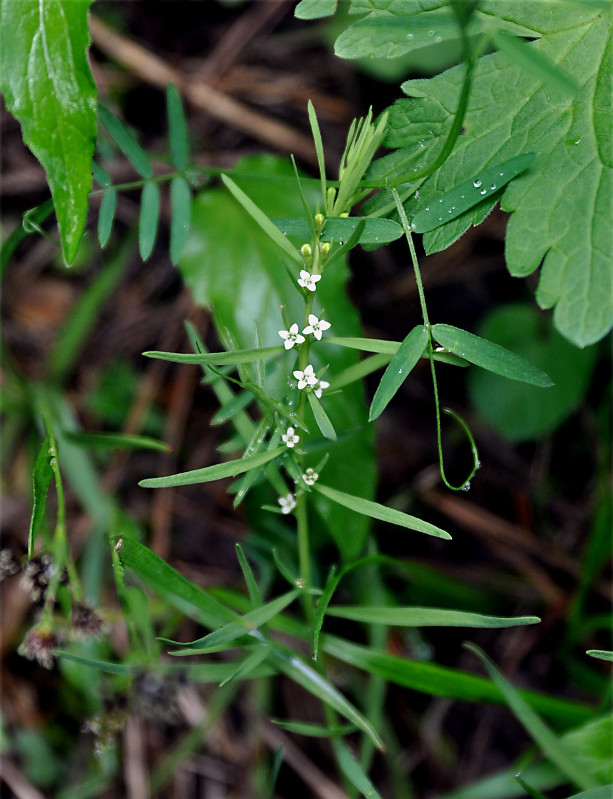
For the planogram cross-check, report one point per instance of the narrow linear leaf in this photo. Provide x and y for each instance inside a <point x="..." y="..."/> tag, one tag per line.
<point x="489" y="356"/>
<point x="426" y="617"/>
<point x="322" y="606"/>
<point x="271" y="230"/>
<point x="602" y="792"/>
<point x="314" y="730"/>
<point x="215" y="472"/>
<point x="217" y="358"/>
<point x="177" y="127"/>
<point x="252" y="661"/>
<point x="358" y="371"/>
<point x="533" y="792"/>
<point x="340" y="229"/>
<point x="180" y="592"/>
<point x="381" y="512"/>
<point x="235" y="629"/>
<point x="41" y="477"/>
<point x="408" y="354"/>
<point x="364" y="344"/>
<point x="321" y="418"/>
<point x="469" y="193"/>
<point x="47" y="85"/>
<point x="550" y="744"/>
<point x="116" y="441"/>
<point x="252" y="587"/>
<point x="126" y="142"/>
<point x="308" y="678"/>
<point x="316" y="133"/>
<point x="148" y="220"/>
<point x="106" y="216"/>
<point x="238" y="403"/>
<point x="180" y="216"/>
<point x="601" y="654"/>
<point x="354" y="772"/>
<point x="521" y="53"/>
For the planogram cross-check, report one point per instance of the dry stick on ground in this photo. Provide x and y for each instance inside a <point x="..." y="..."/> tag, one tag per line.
<point x="155" y="71"/>
<point x="16" y="782"/>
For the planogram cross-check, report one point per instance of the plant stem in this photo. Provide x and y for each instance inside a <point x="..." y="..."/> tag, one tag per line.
<point x="420" y="286"/>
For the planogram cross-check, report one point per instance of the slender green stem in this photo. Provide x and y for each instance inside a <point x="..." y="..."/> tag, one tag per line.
<point x="407" y="232"/>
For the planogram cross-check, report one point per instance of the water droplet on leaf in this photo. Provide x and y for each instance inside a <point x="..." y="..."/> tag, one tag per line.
<point x="483" y="191"/>
<point x="477" y="183"/>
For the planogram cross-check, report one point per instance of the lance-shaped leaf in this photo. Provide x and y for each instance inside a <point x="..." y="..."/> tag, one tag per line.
<point x="116" y="441"/>
<point x="409" y="352"/>
<point x="381" y="512"/>
<point x="426" y="617"/>
<point x="552" y="746"/>
<point x="177" y="128"/>
<point x="374" y="231"/>
<point x="47" y="85"/>
<point x="148" y="220"/>
<point x="180" y="216"/>
<point x="236" y="629"/>
<point x="601" y="654"/>
<point x="106" y="216"/>
<point x="322" y="419"/>
<point x="246" y="666"/>
<point x="41" y="477"/>
<point x="217" y="358"/>
<point x="489" y="356"/>
<point x="262" y="220"/>
<point x="215" y="472"/>
<point x="126" y="142"/>
<point x="352" y="769"/>
<point x="476" y="190"/>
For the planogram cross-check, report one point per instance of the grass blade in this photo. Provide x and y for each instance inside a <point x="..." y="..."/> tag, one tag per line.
<point x="115" y="441"/>
<point x="215" y="472"/>
<point x="257" y="656"/>
<point x="358" y="370"/>
<point x="180" y="217"/>
<point x="252" y="587"/>
<point x="489" y="356"/>
<point x="377" y="345"/>
<point x="381" y="512"/>
<point x="177" y="127"/>
<point x="407" y="356"/>
<point x="550" y="744"/>
<point x="262" y="220"/>
<point x="148" y="219"/>
<point x="216" y="358"/>
<point x="602" y="654"/>
<point x="319" y="149"/>
<point x="425" y="617"/>
<point x="354" y="772"/>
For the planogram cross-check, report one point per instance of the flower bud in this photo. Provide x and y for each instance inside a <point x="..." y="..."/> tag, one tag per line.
<point x="319" y="221"/>
<point x="307" y="253"/>
<point x="325" y="249"/>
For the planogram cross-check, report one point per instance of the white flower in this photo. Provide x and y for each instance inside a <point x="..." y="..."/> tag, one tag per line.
<point x="291" y="336"/>
<point x="306" y="378"/>
<point x="316" y="327"/>
<point x="290" y="438"/>
<point x="307" y="280"/>
<point x="319" y="386"/>
<point x="310" y="476"/>
<point x="287" y="503"/>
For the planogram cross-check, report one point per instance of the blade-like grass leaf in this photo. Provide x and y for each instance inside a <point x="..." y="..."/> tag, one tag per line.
<point x="106" y="216"/>
<point x="321" y="688"/>
<point x="319" y="149"/>
<point x="469" y="194"/>
<point x="381" y="512"/>
<point x="235" y="629"/>
<point x="180" y="216"/>
<point x="126" y="142"/>
<point x="252" y="661"/>
<point x="358" y="371"/>
<point x="313" y="730"/>
<point x="217" y="358"/>
<point x="340" y="229"/>
<point x="365" y="344"/>
<point x="489" y="356"/>
<point x="408" y="354"/>
<point x="116" y="441"/>
<point x="354" y="772"/>
<point x="426" y="617"/>
<point x="215" y="472"/>
<point x="41" y="477"/>
<point x="551" y="745"/>
<point x="148" y="219"/>
<point x="602" y="654"/>
<point x="271" y="230"/>
<point x="177" y="127"/>
<point x="252" y="587"/>
<point x="321" y="417"/>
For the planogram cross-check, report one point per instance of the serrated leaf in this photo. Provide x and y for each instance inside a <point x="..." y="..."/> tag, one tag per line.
<point x="374" y="231"/>
<point x="560" y="208"/>
<point x="315" y="9"/>
<point x="326" y="428"/>
<point x="380" y="512"/>
<point x="148" y="219"/>
<point x="180" y="216"/>
<point x="406" y="357"/>
<point x="551" y="745"/>
<point x="106" y="216"/>
<point x="177" y="127"/>
<point x="217" y="358"/>
<point x="472" y="192"/>
<point x="489" y="356"/>
<point x="215" y="472"/>
<point x="126" y="142"/>
<point x="41" y="477"/>
<point x="425" y="617"/>
<point x="47" y="85"/>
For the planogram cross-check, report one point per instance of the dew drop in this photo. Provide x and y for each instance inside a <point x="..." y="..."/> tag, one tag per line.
<point x="477" y="183"/>
<point x="450" y="210"/>
<point x="427" y="208"/>
<point x="409" y="36"/>
<point x="483" y="191"/>
<point x="493" y="187"/>
<point x="466" y="486"/>
<point x="462" y="197"/>
<point x="440" y="219"/>
<point x="400" y="371"/>
<point x="431" y="33"/>
<point x="501" y="174"/>
<point x="441" y="200"/>
<point x="478" y="465"/>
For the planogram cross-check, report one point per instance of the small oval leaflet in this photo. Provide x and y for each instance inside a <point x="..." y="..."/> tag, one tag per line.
<point x="470" y="193"/>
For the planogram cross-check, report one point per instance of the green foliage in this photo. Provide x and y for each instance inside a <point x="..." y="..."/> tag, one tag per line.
<point x="47" y="85"/>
